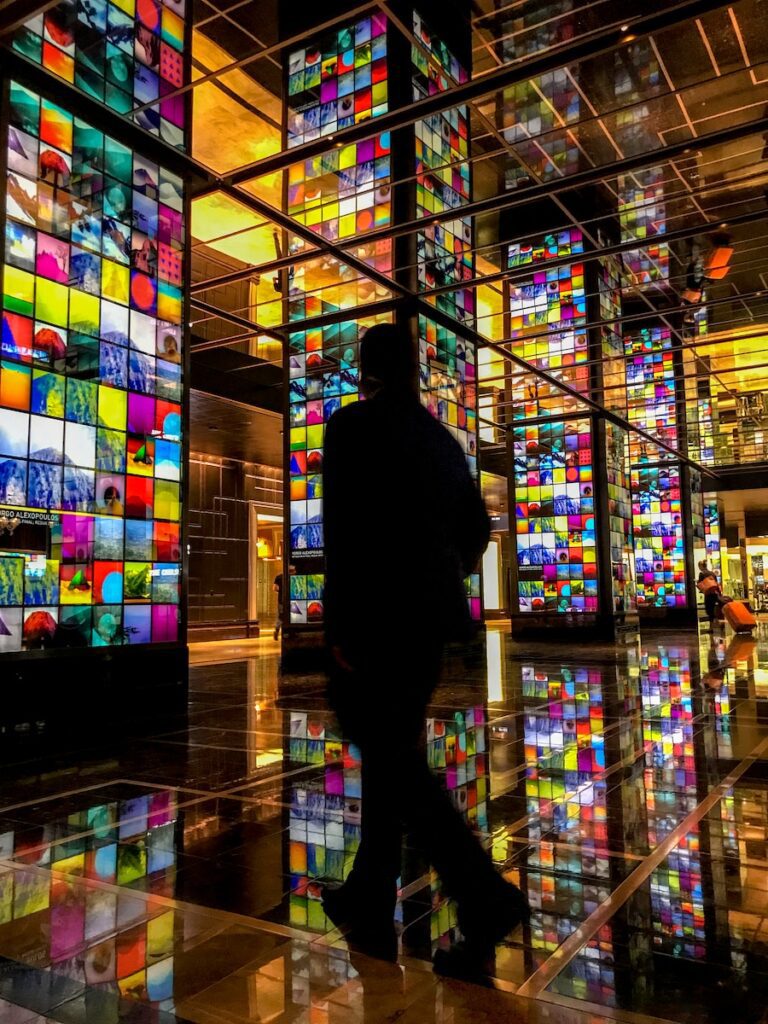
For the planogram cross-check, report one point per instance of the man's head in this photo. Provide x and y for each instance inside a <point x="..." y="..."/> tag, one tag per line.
<point x="291" y="569"/>
<point x="387" y="360"/>
<point x="703" y="565"/>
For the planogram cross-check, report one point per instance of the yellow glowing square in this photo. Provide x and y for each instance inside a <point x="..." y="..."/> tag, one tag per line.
<point x="84" y="310"/>
<point x="379" y="93"/>
<point x="167" y="503"/>
<point x="347" y="157"/>
<point x="129" y="6"/>
<point x="298" y="439"/>
<point x="112" y="407"/>
<point x="19" y="291"/>
<point x="160" y="936"/>
<point x="347" y="225"/>
<point x="348" y="400"/>
<point x="313" y="217"/>
<point x="115" y="282"/>
<point x="51" y="302"/>
<point x="315" y="437"/>
<point x="295" y="174"/>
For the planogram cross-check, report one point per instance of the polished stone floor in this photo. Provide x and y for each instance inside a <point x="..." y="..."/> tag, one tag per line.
<point x="174" y="877"/>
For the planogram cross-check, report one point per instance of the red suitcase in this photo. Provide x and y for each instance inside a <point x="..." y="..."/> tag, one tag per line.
<point x="739" y="617"/>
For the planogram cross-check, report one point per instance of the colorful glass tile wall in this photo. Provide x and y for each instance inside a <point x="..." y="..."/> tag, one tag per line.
<point x="554" y="516"/>
<point x="620" y="518"/>
<point x="337" y="82"/>
<point x="324" y="818"/>
<point x="610" y="278"/>
<point x="651" y="392"/>
<point x="90" y="386"/>
<point x="547" y="318"/>
<point x="443" y="178"/>
<point x="127" y="54"/>
<point x="97" y="934"/>
<point x="447" y="362"/>
<point x="657" y="525"/>
<point x="671" y="792"/>
<point x="712" y="532"/>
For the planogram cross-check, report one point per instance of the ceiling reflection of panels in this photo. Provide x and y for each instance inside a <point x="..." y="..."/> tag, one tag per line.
<point x="705" y="73"/>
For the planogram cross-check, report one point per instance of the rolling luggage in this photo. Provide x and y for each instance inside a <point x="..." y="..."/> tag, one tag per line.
<point x="738" y="616"/>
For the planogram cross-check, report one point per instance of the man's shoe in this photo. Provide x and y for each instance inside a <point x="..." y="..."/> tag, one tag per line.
<point x="483" y="925"/>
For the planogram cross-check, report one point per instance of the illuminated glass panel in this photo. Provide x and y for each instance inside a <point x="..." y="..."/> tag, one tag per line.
<point x="658" y="536"/>
<point x="620" y="517"/>
<point x="651" y="392"/>
<point x="712" y="533"/>
<point x="610" y="277"/>
<point x="547" y="320"/>
<point x="555" y="521"/>
<point x="125" y="53"/>
<point x="90" y="387"/>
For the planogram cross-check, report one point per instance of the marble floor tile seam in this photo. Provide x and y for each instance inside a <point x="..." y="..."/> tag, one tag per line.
<point x="570" y="948"/>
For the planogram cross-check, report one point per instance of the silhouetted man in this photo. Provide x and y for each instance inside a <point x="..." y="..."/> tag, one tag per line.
<point x="404" y="525"/>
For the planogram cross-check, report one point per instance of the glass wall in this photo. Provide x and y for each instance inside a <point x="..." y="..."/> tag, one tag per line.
<point x="90" y="386"/>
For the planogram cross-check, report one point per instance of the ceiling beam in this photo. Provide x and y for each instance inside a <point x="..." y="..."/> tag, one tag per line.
<point x="14" y="13"/>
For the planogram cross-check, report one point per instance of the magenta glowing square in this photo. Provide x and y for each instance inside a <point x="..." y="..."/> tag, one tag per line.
<point x="165" y="623"/>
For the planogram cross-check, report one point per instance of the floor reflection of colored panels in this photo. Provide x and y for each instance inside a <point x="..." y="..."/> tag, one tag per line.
<point x="555" y="523"/>
<point x="457" y="749"/>
<point x="567" y="867"/>
<point x="658" y="536"/>
<point x="671" y="792"/>
<point x="90" y="386"/>
<point x="125" y="53"/>
<point x="97" y="933"/>
<point x="324" y="819"/>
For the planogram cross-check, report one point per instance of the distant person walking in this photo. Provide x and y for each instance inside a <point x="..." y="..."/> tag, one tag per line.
<point x="277" y="586"/>
<point x="404" y="525"/>
<point x="709" y="585"/>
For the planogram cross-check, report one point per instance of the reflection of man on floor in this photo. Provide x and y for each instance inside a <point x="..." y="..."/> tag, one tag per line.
<point x="404" y="525"/>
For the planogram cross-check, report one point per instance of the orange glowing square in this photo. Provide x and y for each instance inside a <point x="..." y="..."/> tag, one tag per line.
<point x="58" y="62"/>
<point x="15" y="386"/>
<point x="56" y="126"/>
